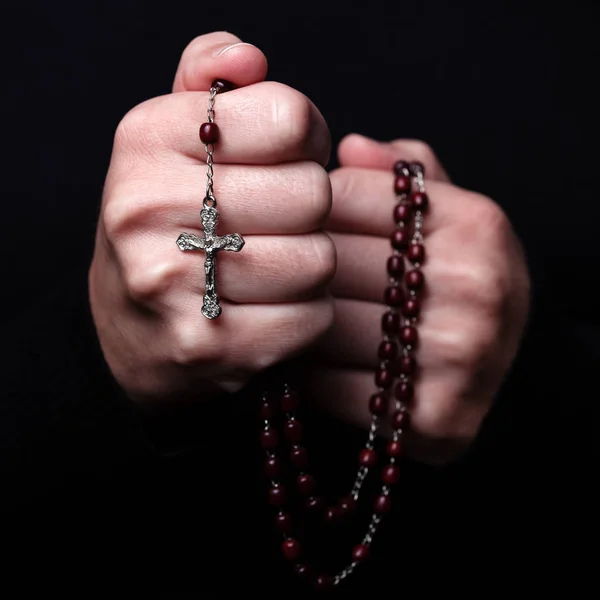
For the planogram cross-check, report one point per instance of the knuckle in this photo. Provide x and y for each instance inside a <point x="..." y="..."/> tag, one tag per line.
<point x="323" y="259"/>
<point x="139" y="131"/>
<point x="147" y="283"/>
<point x="320" y="194"/>
<point x="342" y="182"/>
<point x="191" y="348"/>
<point x="423" y="152"/>
<point x="291" y="115"/>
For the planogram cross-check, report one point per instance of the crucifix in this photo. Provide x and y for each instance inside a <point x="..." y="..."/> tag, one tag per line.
<point x="211" y="244"/>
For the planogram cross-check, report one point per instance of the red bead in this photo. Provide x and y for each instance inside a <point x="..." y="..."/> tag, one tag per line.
<point x="299" y="457"/>
<point x="272" y="467"/>
<point x="222" y="85"/>
<point x="419" y="201"/>
<point x="332" y="515"/>
<point x="383" y="504"/>
<point x="417" y="168"/>
<point x="390" y="322"/>
<point x="416" y="253"/>
<point x="378" y="404"/>
<point x="384" y="378"/>
<point x="401" y="167"/>
<point x="400" y="238"/>
<point x="347" y="505"/>
<point x="402" y="212"/>
<point x="360" y="552"/>
<point x="394" y="295"/>
<point x="314" y="504"/>
<point x="306" y="484"/>
<point x="276" y="496"/>
<point x="400" y="420"/>
<point x="395" y="266"/>
<point x="323" y="582"/>
<point x="390" y="474"/>
<point x="289" y="402"/>
<point x="409" y="336"/>
<point x="412" y="308"/>
<point x="209" y="133"/>
<point x="283" y="522"/>
<point x="387" y="350"/>
<point x="402" y="184"/>
<point x="292" y="430"/>
<point x="406" y="365"/>
<point x="414" y="279"/>
<point x="291" y="549"/>
<point x="269" y="438"/>
<point x="404" y="391"/>
<point x="395" y="448"/>
<point x="367" y="457"/>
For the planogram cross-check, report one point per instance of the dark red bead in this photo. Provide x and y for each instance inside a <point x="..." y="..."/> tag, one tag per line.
<point x="414" y="279"/>
<point x="395" y="448"/>
<point x="314" y="504"/>
<point x="416" y="253"/>
<point x="323" y="582"/>
<point x="291" y="549"/>
<point x="302" y="571"/>
<point x="332" y="515"/>
<point x="360" y="552"/>
<point x="292" y="430"/>
<point x="272" y="467"/>
<point x="394" y="295"/>
<point x="384" y="378"/>
<point x="404" y="391"/>
<point x="419" y="201"/>
<point x="395" y="266"/>
<point x="269" y="438"/>
<point x="306" y="484"/>
<point x="222" y="85"/>
<point x="267" y="409"/>
<point x="347" y="505"/>
<point x="402" y="184"/>
<point x="390" y="474"/>
<point x="401" y="167"/>
<point x="402" y="212"/>
<point x="400" y="239"/>
<point x="283" y="521"/>
<point x="411" y="308"/>
<point x="400" y="420"/>
<point x="299" y="457"/>
<point x="290" y="402"/>
<point x="383" y="504"/>
<point x="387" y="350"/>
<point x="417" y="168"/>
<point x="390" y="322"/>
<point x="276" y="496"/>
<point x="406" y="365"/>
<point x="409" y="336"/>
<point x="209" y="133"/>
<point x="378" y="404"/>
<point x="367" y="457"/>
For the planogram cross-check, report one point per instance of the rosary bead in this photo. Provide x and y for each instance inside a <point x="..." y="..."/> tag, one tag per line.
<point x="390" y="474"/>
<point x="360" y="553"/>
<point x="314" y="504"/>
<point x="222" y="85"/>
<point x="401" y="168"/>
<point x="306" y="484"/>
<point x="408" y="336"/>
<point x="291" y="549"/>
<point x="404" y="391"/>
<point x="411" y="308"/>
<point x="267" y="409"/>
<point x="276" y="496"/>
<point x="406" y="364"/>
<point x="209" y="133"/>
<point x="416" y="253"/>
<point x="400" y="420"/>
<point x="402" y="184"/>
<point x="415" y="279"/>
<point x="269" y="438"/>
<point x="417" y="168"/>
<point x="419" y="201"/>
<point x="399" y="239"/>
<point x="387" y="350"/>
<point x="383" y="504"/>
<point x="323" y="582"/>
<point x="394" y="448"/>
<point x="367" y="457"/>
<point x="378" y="404"/>
<point x="292" y="431"/>
<point x="272" y="467"/>
<point x="347" y="505"/>
<point x="390" y="322"/>
<point x="290" y="402"/>
<point x="299" y="457"/>
<point x="395" y="266"/>
<point x="394" y="295"/>
<point x="283" y="521"/>
<point x="402" y="212"/>
<point x="384" y="378"/>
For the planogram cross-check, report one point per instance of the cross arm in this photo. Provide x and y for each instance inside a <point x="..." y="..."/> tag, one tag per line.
<point x="189" y="241"/>
<point x="232" y="241"/>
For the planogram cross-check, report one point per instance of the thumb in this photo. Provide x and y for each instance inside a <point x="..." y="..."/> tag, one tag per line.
<point x="219" y="55"/>
<point x="360" y="151"/>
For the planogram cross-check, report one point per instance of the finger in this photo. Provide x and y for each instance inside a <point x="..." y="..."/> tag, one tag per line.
<point x="281" y="199"/>
<point x="265" y="123"/>
<point x="359" y="151"/>
<point x="219" y="55"/>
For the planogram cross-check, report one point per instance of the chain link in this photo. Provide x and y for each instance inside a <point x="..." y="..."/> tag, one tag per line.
<point x="209" y="199"/>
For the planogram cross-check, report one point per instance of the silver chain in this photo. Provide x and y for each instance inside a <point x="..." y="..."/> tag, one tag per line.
<point x="209" y="199"/>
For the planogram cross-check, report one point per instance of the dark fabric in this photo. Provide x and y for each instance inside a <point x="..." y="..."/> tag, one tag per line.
<point x="91" y="496"/>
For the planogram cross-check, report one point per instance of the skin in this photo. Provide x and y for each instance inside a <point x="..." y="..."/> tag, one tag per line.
<point x="310" y="278"/>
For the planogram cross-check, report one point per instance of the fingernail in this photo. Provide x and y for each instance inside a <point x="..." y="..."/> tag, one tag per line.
<point x="230" y="47"/>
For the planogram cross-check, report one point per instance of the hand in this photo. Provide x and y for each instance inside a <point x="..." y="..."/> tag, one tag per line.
<point x="271" y="186"/>
<point x="473" y="314"/>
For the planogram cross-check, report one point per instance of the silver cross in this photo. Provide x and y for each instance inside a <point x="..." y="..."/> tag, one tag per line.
<point x="211" y="244"/>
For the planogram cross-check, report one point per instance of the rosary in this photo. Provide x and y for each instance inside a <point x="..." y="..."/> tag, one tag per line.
<point x="393" y="381"/>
